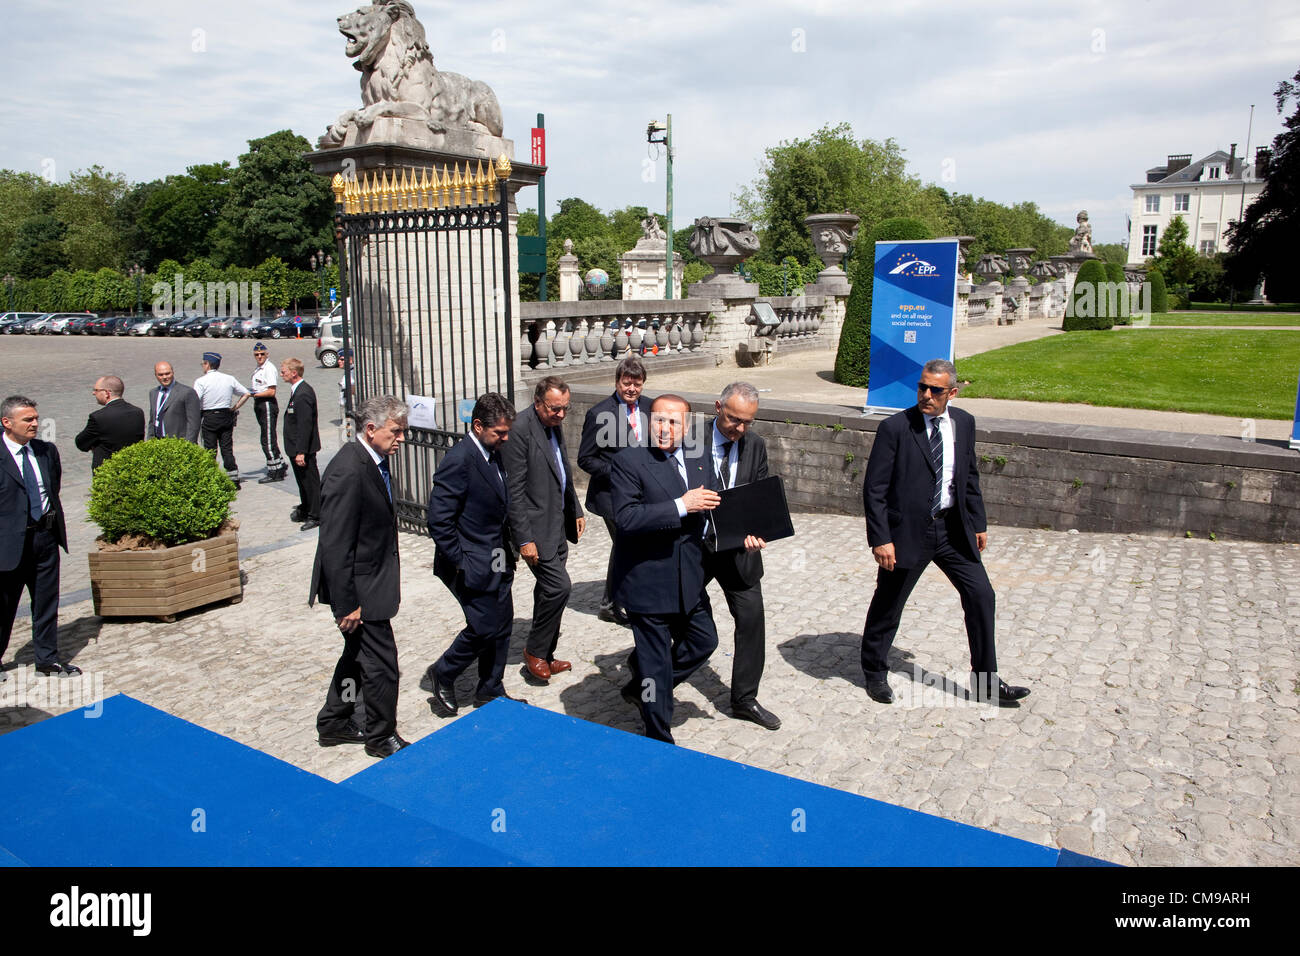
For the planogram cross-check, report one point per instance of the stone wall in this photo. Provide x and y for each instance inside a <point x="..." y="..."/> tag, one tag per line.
<point x="1086" y="477"/>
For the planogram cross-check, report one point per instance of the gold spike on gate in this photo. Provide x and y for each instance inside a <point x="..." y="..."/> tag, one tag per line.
<point x="426" y="201"/>
<point x="479" y="182"/>
<point x="455" y="184"/>
<point x="491" y="183"/>
<point x="336" y="184"/>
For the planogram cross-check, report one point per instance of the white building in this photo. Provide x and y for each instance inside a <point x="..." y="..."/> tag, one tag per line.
<point x="1209" y="194"/>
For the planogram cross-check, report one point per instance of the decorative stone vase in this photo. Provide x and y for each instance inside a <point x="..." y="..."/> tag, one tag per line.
<point x="164" y="582"/>
<point x="723" y="243"/>
<point x="831" y="233"/>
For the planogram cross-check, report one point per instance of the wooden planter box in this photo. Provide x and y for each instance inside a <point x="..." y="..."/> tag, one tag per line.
<point x="163" y="583"/>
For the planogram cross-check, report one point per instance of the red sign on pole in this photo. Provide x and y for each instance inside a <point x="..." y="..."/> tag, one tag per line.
<point x="539" y="147"/>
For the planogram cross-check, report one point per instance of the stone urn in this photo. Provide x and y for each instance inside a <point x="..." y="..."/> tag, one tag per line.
<point x="723" y="243"/>
<point x="832" y="233"/>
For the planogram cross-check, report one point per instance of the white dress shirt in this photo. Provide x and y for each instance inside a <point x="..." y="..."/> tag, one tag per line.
<point x="949" y="439"/>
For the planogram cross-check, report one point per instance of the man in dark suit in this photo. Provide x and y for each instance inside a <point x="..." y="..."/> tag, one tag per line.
<point x="923" y="503"/>
<point x="357" y="573"/>
<point x="174" y="409"/>
<point x="661" y="497"/>
<point x="31" y="532"/>
<point x="740" y="457"/>
<point x="302" y="442"/>
<point x="612" y="424"/>
<point x="544" y="517"/>
<point x="113" y="427"/>
<point x="469" y="522"/>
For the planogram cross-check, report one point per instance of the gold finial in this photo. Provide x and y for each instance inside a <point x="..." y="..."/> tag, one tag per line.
<point x="366" y="196"/>
<point x="479" y="182"/>
<point x="503" y="167"/>
<point x="408" y="189"/>
<point x="425" y="199"/>
<point x="353" y="195"/>
<point x="455" y="184"/>
<point x="336" y="184"/>
<point x="388" y="193"/>
<point x="444" y="194"/>
<point x="491" y="183"/>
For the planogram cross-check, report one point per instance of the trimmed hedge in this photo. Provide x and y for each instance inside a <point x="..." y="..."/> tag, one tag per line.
<point x="1087" y="308"/>
<point x="167" y="489"/>
<point x="1115" y="273"/>
<point x="1159" y="294"/>
<point x="853" y="360"/>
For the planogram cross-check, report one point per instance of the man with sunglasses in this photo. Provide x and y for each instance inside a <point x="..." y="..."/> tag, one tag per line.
<point x="923" y="503"/>
<point x="545" y="517"/>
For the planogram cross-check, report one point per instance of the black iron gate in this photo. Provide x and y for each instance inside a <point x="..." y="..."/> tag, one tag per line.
<point x="427" y="291"/>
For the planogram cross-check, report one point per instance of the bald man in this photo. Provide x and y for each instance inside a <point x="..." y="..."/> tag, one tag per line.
<point x="174" y="410"/>
<point x="114" y="426"/>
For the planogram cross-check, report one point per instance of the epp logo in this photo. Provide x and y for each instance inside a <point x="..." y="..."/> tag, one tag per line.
<point x="913" y="267"/>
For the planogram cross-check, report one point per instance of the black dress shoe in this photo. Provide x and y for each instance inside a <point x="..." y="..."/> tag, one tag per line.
<point x="63" y="670"/>
<point x="480" y="701"/>
<point x="297" y="514"/>
<point x="348" y="735"/>
<point x="1007" y="695"/>
<point x="880" y="692"/>
<point x="443" y="702"/>
<point x="309" y="524"/>
<point x="386" y="747"/>
<point x="631" y="692"/>
<point x="613" y="614"/>
<point x="756" y="712"/>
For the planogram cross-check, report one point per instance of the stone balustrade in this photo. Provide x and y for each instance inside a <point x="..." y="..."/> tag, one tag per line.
<point x="801" y="317"/>
<point x="569" y="334"/>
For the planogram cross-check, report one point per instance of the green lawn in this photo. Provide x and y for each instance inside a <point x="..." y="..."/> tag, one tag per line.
<point x="1241" y="374"/>
<point x="1225" y="318"/>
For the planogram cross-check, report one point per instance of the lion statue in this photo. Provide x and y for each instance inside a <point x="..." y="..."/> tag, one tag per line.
<point x="398" y="79"/>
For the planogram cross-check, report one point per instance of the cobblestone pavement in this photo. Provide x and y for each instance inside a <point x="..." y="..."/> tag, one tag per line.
<point x="1162" y="729"/>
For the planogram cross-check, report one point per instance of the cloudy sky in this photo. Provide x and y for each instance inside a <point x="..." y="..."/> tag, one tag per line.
<point x="1062" y="103"/>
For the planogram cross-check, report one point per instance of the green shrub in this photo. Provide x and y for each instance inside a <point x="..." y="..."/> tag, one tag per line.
<point x="1115" y="274"/>
<point x="853" y="360"/>
<point x="167" y="489"/>
<point x="1087" y="308"/>
<point x="1159" y="294"/>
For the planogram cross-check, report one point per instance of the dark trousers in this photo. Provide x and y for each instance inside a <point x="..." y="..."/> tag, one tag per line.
<point x="267" y="411"/>
<point x="489" y="618"/>
<point x="550" y="595"/>
<point x="746" y="606"/>
<point x="366" y="671"/>
<point x="669" y="649"/>
<point x="944" y="545"/>
<point x="607" y="599"/>
<point x="218" y="430"/>
<point x="38" y="573"/>
<point x="308" y="479"/>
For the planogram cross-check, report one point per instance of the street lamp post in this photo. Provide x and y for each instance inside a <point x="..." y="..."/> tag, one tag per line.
<point x="138" y="274"/>
<point x="320" y="262"/>
<point x="654" y="129"/>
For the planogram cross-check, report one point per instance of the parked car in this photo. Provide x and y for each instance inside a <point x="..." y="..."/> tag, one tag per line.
<point x="167" y="325"/>
<point x="56" y="323"/>
<point x="287" y="328"/>
<point x="102" y="326"/>
<point x="242" y="327"/>
<point x="330" y="342"/>
<point x="186" y="326"/>
<point x="144" y="326"/>
<point x="14" y="323"/>
<point x="217" y="328"/>
<point x="34" y="326"/>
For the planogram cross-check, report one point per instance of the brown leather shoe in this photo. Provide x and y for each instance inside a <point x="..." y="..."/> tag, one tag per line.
<point x="537" y="667"/>
<point x="559" y="667"/>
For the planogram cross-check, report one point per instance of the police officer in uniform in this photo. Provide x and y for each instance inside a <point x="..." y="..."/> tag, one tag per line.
<point x="220" y="396"/>
<point x="267" y="410"/>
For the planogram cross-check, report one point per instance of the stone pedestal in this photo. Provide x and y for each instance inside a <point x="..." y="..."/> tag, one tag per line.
<point x="645" y="271"/>
<point x="570" y="280"/>
<point x="831" y="235"/>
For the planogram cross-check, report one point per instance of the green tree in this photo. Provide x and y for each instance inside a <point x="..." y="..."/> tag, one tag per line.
<point x="1159" y="294"/>
<point x="853" y="360"/>
<point x="37" y="247"/>
<point x="828" y="172"/>
<point x="276" y="206"/>
<point x="1110" y="252"/>
<point x="177" y="218"/>
<point x="1174" y="257"/>
<point x="87" y="204"/>
<point x="1264" y="243"/>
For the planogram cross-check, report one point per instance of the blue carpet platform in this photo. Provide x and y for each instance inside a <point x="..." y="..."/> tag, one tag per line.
<point x="137" y="787"/>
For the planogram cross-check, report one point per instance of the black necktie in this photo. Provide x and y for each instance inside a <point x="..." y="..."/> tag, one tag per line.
<point x="725" y="468"/>
<point x="33" y="488"/>
<point x="388" y="478"/>
<point x="495" y="461"/>
<point x="936" y="456"/>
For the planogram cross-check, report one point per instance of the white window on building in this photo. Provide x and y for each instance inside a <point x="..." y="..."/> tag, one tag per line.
<point x="1213" y="172"/>
<point x="1148" y="240"/>
<point x="1207" y="247"/>
<point x="1182" y="202"/>
<point x="1153" y="202"/>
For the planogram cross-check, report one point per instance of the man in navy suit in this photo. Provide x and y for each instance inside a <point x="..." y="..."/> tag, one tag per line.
<point x="923" y="503"/>
<point x="612" y="424"/>
<point x="357" y="572"/>
<point x="31" y="532"/>
<point x="302" y="442"/>
<point x="661" y="496"/>
<point x="469" y="520"/>
<point x="113" y="427"/>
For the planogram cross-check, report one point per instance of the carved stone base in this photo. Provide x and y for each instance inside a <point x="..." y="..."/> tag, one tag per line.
<point x="726" y="286"/>
<point x="414" y="133"/>
<point x="831" y="281"/>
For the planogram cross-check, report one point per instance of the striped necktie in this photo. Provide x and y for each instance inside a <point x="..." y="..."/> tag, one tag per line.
<point x="936" y="457"/>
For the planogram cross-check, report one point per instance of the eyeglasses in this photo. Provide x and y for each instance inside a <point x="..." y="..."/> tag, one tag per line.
<point x="556" y="409"/>
<point x="934" y="389"/>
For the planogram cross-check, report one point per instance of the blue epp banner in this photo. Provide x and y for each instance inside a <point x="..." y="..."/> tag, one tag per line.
<point x="1295" y="422"/>
<point x="913" y="316"/>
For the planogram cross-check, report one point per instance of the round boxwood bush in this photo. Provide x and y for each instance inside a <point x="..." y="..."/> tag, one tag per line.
<point x="1115" y="274"/>
<point x="1088" y="306"/>
<point x="168" y="490"/>
<point x="853" y="360"/>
